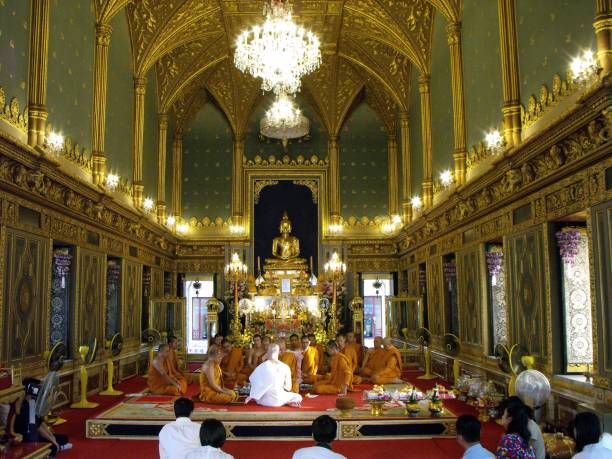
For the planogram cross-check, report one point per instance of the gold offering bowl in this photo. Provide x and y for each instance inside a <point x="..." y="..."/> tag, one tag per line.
<point x="345" y="405"/>
<point x="435" y="408"/>
<point x="412" y="409"/>
<point x="376" y="407"/>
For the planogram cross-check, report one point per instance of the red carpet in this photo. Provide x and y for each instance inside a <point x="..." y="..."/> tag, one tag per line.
<point x="370" y="449"/>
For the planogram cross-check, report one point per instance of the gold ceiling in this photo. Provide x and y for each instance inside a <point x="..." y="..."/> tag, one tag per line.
<point x="369" y="47"/>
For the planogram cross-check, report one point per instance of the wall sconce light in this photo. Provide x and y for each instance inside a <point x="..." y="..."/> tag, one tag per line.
<point x="584" y="67"/>
<point x="55" y="141"/>
<point x="388" y="227"/>
<point x="147" y="204"/>
<point x="182" y="228"/>
<point x="236" y="229"/>
<point x="396" y="219"/>
<point x="170" y="221"/>
<point x="446" y="177"/>
<point x="335" y="228"/>
<point x="416" y="202"/>
<point x="112" y="181"/>
<point x="494" y="140"/>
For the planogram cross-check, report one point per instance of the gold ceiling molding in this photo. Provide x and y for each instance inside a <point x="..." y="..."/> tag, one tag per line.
<point x="382" y="103"/>
<point x="451" y="9"/>
<point x="106" y="9"/>
<point x="258" y="187"/>
<point x="11" y="113"/>
<point x="189" y="103"/>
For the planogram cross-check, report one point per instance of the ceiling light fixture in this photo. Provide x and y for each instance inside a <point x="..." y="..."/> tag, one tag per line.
<point x="112" y="181"/>
<point x="55" y="141"/>
<point x="284" y="120"/>
<point x="279" y="52"/>
<point x="494" y="140"/>
<point x="416" y="202"/>
<point x="170" y="221"/>
<point x="148" y="204"/>
<point x="446" y="177"/>
<point x="584" y="67"/>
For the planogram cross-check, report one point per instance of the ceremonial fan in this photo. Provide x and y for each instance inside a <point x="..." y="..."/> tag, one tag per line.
<point x="48" y="394"/>
<point x="153" y="339"/>
<point x="115" y="345"/>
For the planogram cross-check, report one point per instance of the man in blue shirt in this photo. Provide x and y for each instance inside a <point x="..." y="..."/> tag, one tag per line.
<point x="468" y="436"/>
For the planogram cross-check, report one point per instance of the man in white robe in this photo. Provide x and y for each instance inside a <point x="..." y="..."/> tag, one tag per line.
<point x="271" y="382"/>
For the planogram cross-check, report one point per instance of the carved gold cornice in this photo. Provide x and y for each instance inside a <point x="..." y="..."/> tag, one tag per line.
<point x="286" y="161"/>
<point x="11" y="113"/>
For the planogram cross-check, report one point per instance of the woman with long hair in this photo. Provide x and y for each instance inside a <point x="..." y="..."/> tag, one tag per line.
<point x="590" y="443"/>
<point x="515" y="442"/>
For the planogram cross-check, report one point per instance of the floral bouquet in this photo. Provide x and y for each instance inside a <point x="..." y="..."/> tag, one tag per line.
<point x="378" y="393"/>
<point x="243" y="290"/>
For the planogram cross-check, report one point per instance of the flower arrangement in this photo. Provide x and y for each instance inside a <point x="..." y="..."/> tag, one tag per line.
<point x="326" y="287"/>
<point x="377" y="393"/>
<point x="495" y="258"/>
<point x="568" y="240"/>
<point x="243" y="290"/>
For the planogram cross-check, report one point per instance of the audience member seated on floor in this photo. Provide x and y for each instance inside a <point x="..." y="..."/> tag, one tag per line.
<point x="290" y="359"/>
<point x="351" y="341"/>
<point x="160" y="380"/>
<point x="374" y="359"/>
<point x="391" y="372"/>
<point x="34" y="429"/>
<point x="177" y="438"/>
<point x="515" y="442"/>
<point x="256" y="353"/>
<point x="537" y="440"/>
<point x="271" y="382"/>
<point x="351" y="356"/>
<point x="232" y="364"/>
<point x="321" y="363"/>
<point x="174" y="366"/>
<point x="310" y="361"/>
<point x="212" y="438"/>
<point x="211" y="380"/>
<point x="468" y="436"/>
<point x="590" y="443"/>
<point x="324" y="432"/>
<point x="340" y="380"/>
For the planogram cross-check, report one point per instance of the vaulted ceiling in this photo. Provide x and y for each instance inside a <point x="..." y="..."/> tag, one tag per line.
<point x="369" y="48"/>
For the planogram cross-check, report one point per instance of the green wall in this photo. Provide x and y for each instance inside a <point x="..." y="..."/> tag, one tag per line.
<point x="481" y="69"/>
<point x="363" y="164"/>
<point x="14" y="48"/>
<point x="120" y="100"/>
<point x="441" y="99"/>
<point x="69" y="85"/>
<point x="416" y="140"/>
<point x="550" y="34"/>
<point x="151" y="134"/>
<point x="207" y="165"/>
<point x="314" y="144"/>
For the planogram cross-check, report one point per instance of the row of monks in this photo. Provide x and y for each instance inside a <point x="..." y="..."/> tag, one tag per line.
<point x="331" y="370"/>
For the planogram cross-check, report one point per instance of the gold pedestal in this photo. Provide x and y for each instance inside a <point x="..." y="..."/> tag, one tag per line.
<point x="83" y="403"/>
<point x="376" y="407"/>
<point x="110" y="373"/>
<point x="427" y="374"/>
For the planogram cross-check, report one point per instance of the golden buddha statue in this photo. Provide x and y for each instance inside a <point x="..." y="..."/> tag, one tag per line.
<point x="285" y="247"/>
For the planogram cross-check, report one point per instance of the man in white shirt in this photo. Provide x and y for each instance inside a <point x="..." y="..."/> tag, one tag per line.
<point x="590" y="443"/>
<point x="324" y="432"/>
<point x="182" y="436"/>
<point x="468" y="436"/>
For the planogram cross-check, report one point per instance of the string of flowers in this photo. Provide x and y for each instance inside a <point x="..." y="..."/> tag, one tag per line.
<point x="494" y="258"/>
<point x="568" y="240"/>
<point x="62" y="261"/>
<point x="450" y="271"/>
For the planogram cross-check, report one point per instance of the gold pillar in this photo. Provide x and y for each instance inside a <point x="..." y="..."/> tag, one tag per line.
<point x="161" y="168"/>
<point x="392" y="173"/>
<point x="453" y="31"/>
<point x="98" y="118"/>
<point x="37" y="78"/>
<point x="140" y="84"/>
<point x="177" y="172"/>
<point x="334" y="179"/>
<point x="510" y="72"/>
<point x="426" y="134"/>
<point x="406" y="166"/>
<point x="238" y="179"/>
<point x="603" y="33"/>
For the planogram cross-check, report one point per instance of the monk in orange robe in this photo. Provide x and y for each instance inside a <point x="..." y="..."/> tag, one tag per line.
<point x="289" y="358"/>
<point x="374" y="359"/>
<point x="351" y="355"/>
<point x="257" y="353"/>
<point x="322" y="365"/>
<point x="174" y="369"/>
<point x="340" y="380"/>
<point x="310" y="361"/>
<point x="392" y="370"/>
<point x="160" y="381"/>
<point x="211" y="381"/>
<point x="232" y="363"/>
<point x="351" y="341"/>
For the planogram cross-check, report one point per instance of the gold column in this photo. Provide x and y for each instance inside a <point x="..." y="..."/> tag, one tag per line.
<point x="603" y="33"/>
<point x="406" y="166"/>
<point x="98" y="118"/>
<point x="161" y="168"/>
<point x="37" y="78"/>
<point x="453" y="31"/>
<point x="392" y="173"/>
<point x="334" y="179"/>
<point x="510" y="72"/>
<point x="177" y="172"/>
<point x="238" y="179"/>
<point x="140" y="84"/>
<point x="426" y="134"/>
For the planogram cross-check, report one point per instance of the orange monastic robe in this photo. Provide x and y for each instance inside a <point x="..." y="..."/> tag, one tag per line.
<point x="321" y="359"/>
<point x="358" y="350"/>
<point x="288" y="358"/>
<point x="341" y="375"/>
<point x="210" y="395"/>
<point x="173" y="369"/>
<point x="234" y="363"/>
<point x="376" y="362"/>
<point x="310" y="363"/>
<point x="351" y="355"/>
<point x="392" y="369"/>
<point x="159" y="386"/>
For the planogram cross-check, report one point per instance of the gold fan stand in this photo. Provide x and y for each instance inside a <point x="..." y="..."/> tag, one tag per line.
<point x="83" y="403"/>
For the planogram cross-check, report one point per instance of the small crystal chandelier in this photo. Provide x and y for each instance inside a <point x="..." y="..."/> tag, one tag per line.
<point x="284" y="121"/>
<point x="279" y="52"/>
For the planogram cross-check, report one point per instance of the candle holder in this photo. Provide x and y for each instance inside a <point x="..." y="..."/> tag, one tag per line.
<point x="236" y="271"/>
<point x="334" y="269"/>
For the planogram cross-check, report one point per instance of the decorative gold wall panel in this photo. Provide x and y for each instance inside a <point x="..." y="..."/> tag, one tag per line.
<point x="26" y="297"/>
<point x="91" y="296"/>
<point x="157" y="283"/>
<point x="470" y="294"/>
<point x="132" y="301"/>
<point x="527" y="292"/>
<point x="435" y="297"/>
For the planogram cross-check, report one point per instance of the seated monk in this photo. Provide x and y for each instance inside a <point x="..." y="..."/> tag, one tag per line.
<point x="211" y="380"/>
<point x="392" y="370"/>
<point x="174" y="369"/>
<point x="257" y="352"/>
<point x="351" y="355"/>
<point x="322" y="365"/>
<point x="289" y="359"/>
<point x="309" y="361"/>
<point x="340" y="380"/>
<point x="232" y="363"/>
<point x="351" y="341"/>
<point x="160" y="381"/>
<point x="374" y="359"/>
<point x="217" y="340"/>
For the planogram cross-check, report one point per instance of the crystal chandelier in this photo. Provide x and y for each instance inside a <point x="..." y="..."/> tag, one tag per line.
<point x="279" y="52"/>
<point x="284" y="120"/>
